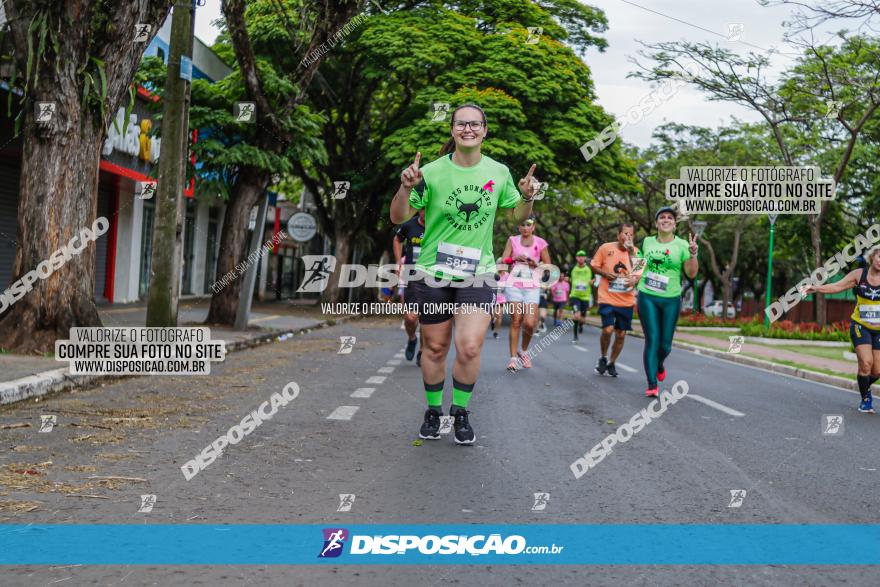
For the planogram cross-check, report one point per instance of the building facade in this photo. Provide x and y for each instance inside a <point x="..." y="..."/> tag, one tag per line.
<point x="129" y="157"/>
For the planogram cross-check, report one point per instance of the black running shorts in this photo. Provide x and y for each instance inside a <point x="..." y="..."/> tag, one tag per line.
<point x="438" y="304"/>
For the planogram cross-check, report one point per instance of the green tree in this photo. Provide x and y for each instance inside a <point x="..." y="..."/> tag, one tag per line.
<point x="378" y="90"/>
<point x="277" y="47"/>
<point x="796" y="109"/>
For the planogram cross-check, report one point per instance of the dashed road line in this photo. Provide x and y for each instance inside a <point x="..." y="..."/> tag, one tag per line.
<point x="580" y="348"/>
<point x="376" y="380"/>
<point x="363" y="392"/>
<point x="626" y="368"/>
<point x="716" y="405"/>
<point x="385" y="370"/>
<point x="343" y="413"/>
<point x="393" y="362"/>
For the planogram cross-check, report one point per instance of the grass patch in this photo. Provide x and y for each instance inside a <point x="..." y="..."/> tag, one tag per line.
<point x="811" y="368"/>
<point x="823" y="352"/>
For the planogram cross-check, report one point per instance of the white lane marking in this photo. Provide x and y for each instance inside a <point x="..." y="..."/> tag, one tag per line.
<point x="363" y="392"/>
<point x="385" y="370"/>
<point x="716" y="405"/>
<point x="393" y="362"/>
<point x="626" y="367"/>
<point x="376" y="380"/>
<point x="343" y="413"/>
<point x="398" y="356"/>
<point x="580" y="348"/>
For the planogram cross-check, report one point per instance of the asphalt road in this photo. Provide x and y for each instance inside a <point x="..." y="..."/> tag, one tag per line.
<point x="351" y="431"/>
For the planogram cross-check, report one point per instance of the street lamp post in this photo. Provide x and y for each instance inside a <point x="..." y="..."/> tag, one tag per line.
<point x="772" y="218"/>
<point x="699" y="227"/>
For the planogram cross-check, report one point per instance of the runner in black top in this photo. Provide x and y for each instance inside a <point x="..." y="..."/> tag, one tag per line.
<point x="407" y="246"/>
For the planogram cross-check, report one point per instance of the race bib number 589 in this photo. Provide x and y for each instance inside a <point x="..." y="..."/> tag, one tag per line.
<point x="457" y="259"/>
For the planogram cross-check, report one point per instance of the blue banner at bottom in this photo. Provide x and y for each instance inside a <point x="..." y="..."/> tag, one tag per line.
<point x="384" y="544"/>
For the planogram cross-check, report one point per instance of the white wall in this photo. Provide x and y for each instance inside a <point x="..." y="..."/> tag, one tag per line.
<point x="128" y="244"/>
<point x="199" y="245"/>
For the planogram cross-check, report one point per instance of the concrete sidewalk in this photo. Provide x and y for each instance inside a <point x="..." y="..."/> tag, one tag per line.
<point x="23" y="376"/>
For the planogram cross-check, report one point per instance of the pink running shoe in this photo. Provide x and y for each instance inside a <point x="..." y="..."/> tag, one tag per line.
<point x="652" y="392"/>
<point x="661" y="374"/>
<point x="526" y="361"/>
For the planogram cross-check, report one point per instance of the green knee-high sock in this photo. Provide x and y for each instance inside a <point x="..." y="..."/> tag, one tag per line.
<point x="434" y="395"/>
<point x="461" y="393"/>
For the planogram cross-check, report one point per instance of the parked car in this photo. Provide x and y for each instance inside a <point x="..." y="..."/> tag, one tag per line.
<point x="714" y="309"/>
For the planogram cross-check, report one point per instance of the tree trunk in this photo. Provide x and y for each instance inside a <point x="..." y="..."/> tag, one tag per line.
<point x="816" y="240"/>
<point x="55" y="204"/>
<point x="726" y="291"/>
<point x="59" y="172"/>
<point x="334" y="293"/>
<point x="250" y="184"/>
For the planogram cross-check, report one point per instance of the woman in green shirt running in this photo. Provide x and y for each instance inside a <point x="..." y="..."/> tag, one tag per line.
<point x="659" y="297"/>
<point x="460" y="192"/>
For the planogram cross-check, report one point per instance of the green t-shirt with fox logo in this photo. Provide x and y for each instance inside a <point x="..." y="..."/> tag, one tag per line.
<point x="662" y="273"/>
<point x="460" y="205"/>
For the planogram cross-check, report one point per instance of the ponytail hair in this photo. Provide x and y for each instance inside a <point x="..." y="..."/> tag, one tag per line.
<point x="449" y="146"/>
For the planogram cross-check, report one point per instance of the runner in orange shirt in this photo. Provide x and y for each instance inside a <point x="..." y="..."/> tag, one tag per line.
<point x="614" y="262"/>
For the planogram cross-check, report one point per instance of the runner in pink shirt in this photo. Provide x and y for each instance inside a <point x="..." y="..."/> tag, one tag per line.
<point x="523" y="254"/>
<point x="559" y="294"/>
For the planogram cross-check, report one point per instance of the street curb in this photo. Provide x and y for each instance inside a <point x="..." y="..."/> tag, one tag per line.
<point x="56" y="380"/>
<point x="761" y="364"/>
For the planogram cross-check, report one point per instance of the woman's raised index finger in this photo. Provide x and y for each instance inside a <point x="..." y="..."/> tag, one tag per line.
<point x="418" y="157"/>
<point x="531" y="170"/>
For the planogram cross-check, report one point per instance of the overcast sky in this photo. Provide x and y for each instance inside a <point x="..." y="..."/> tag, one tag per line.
<point x="629" y="21"/>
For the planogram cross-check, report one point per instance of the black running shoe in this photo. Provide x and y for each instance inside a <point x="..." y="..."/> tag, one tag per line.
<point x="419" y="359"/>
<point x="431" y="426"/>
<point x="601" y="366"/>
<point x="464" y="434"/>
<point x="495" y="334"/>
<point x="611" y="371"/>
<point x="411" y="348"/>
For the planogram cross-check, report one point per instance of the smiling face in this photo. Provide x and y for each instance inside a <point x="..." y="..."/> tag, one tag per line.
<point x="874" y="259"/>
<point x="666" y="222"/>
<point x="527" y="228"/>
<point x="466" y="136"/>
